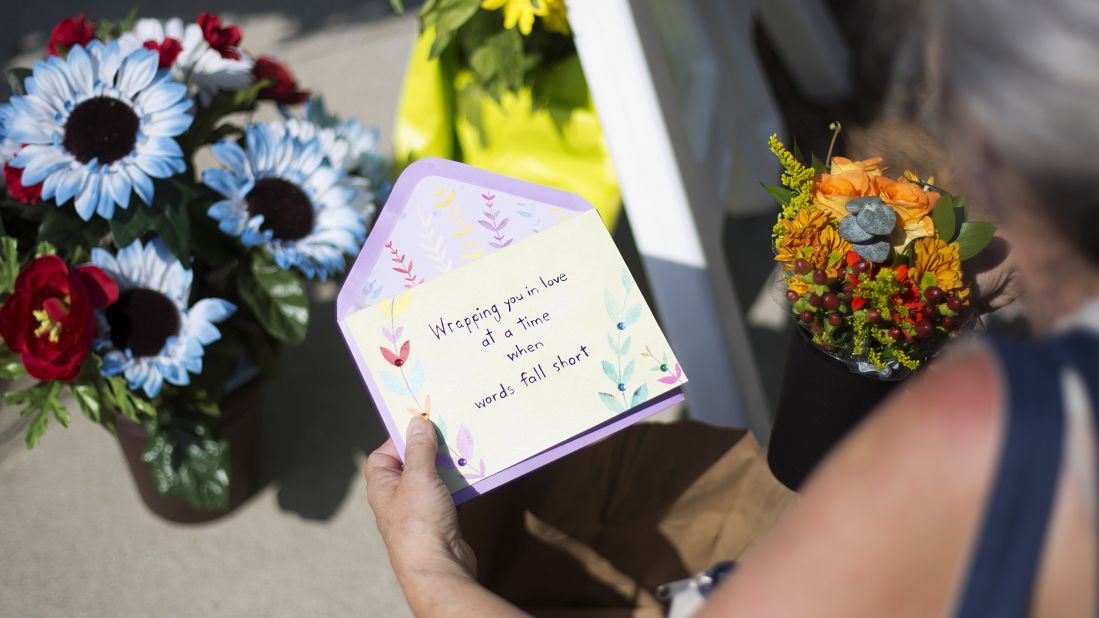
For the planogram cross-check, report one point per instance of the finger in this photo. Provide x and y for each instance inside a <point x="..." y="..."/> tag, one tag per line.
<point x="420" y="447"/>
<point x="383" y="470"/>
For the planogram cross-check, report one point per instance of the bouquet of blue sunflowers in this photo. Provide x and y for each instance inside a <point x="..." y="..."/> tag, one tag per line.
<point x="141" y="286"/>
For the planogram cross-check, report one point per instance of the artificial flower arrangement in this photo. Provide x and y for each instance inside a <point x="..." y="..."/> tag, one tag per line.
<point x="144" y="287"/>
<point x="507" y="44"/>
<point x="872" y="266"/>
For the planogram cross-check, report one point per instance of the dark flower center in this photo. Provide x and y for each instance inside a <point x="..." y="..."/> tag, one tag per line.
<point x="286" y="209"/>
<point x="142" y="320"/>
<point x="101" y="128"/>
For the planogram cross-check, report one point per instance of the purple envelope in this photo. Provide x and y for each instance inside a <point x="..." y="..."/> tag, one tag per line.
<point x="420" y="235"/>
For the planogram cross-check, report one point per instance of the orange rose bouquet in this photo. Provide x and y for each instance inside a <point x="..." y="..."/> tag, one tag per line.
<point x="872" y="266"/>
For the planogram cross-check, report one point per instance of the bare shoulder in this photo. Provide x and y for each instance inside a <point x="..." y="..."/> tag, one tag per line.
<point x="893" y="508"/>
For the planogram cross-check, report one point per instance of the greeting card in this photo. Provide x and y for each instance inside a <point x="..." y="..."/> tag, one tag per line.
<point x="502" y="312"/>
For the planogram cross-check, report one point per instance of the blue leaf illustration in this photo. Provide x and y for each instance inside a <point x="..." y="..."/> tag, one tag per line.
<point x="611" y="305"/>
<point x="394" y="382"/>
<point x="627" y="280"/>
<point x="632" y="314"/>
<point x="627" y="373"/>
<point x="640" y="396"/>
<point x="625" y="349"/>
<point x="613" y="403"/>
<point x="611" y="342"/>
<point x="609" y="371"/>
<point x="416" y="377"/>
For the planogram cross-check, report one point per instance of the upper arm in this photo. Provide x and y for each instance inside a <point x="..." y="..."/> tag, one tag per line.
<point x="885" y="526"/>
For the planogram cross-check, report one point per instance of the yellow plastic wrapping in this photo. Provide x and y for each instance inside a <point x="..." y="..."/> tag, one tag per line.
<point x="559" y="145"/>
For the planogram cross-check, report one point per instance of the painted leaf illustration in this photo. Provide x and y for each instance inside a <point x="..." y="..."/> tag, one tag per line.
<point x="416" y="377"/>
<point x="427" y="404"/>
<point x="388" y="355"/>
<point x="627" y="373"/>
<point x="669" y="380"/>
<point x="625" y="349"/>
<point x="609" y="371"/>
<point x="627" y="280"/>
<point x="399" y="304"/>
<point x="614" y="344"/>
<point x="482" y="466"/>
<point x="397" y="334"/>
<point x="632" y="314"/>
<point x="440" y="424"/>
<point x="485" y="224"/>
<point x="611" y="305"/>
<point x="639" y="396"/>
<point x="404" y="350"/>
<point x="503" y="223"/>
<point x="465" y="443"/>
<point x="614" y="404"/>
<point x="393" y="381"/>
<point x="678" y="371"/>
<point x="388" y="334"/>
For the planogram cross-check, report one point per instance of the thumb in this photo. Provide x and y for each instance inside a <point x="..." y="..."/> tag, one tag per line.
<point x="421" y="444"/>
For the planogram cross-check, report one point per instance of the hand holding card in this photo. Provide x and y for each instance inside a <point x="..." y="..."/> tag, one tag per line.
<point x="522" y="338"/>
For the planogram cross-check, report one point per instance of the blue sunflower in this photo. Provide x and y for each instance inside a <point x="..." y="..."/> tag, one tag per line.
<point x="98" y="124"/>
<point x="154" y="337"/>
<point x="282" y="195"/>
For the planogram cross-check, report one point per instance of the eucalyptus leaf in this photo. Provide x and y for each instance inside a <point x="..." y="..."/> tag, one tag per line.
<point x="276" y="297"/>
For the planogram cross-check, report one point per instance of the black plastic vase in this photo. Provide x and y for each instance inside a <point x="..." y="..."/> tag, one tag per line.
<point x="820" y="402"/>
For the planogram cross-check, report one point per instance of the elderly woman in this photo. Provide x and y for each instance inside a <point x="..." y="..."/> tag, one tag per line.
<point x="973" y="492"/>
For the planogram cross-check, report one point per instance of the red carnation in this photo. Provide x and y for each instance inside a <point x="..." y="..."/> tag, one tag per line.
<point x="49" y="319"/>
<point x="224" y="40"/>
<point x="284" y="88"/>
<point x="168" y="49"/>
<point x="13" y="176"/>
<point x="68" y="33"/>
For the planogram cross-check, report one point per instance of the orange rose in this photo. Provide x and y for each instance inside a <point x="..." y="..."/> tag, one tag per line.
<point x="913" y="206"/>
<point x="831" y="192"/>
<point x="871" y="166"/>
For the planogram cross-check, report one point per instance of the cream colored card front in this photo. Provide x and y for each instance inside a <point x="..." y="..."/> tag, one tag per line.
<point x="519" y="350"/>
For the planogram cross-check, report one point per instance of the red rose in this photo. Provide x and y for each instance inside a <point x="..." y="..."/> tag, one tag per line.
<point x="69" y="32"/>
<point x="224" y="40"/>
<point x="284" y="88"/>
<point x="13" y="176"/>
<point x="49" y="319"/>
<point x="168" y="49"/>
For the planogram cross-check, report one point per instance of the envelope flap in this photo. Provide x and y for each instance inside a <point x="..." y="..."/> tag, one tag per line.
<point x="442" y="215"/>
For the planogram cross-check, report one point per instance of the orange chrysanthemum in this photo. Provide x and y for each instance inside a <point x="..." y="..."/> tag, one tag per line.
<point x="940" y="259"/>
<point x="797" y="234"/>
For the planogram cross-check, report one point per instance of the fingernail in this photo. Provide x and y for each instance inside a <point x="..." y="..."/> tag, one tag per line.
<point x="417" y="426"/>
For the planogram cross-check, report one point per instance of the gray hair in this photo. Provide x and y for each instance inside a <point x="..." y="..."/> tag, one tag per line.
<point x="1027" y="72"/>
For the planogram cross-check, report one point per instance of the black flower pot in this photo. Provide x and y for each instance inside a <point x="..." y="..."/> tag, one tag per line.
<point x="820" y="402"/>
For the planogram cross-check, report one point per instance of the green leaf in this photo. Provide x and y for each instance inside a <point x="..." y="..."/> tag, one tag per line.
<point x="276" y="297"/>
<point x="185" y="461"/>
<point x="943" y="218"/>
<point x="11" y="368"/>
<point x="246" y="97"/>
<point x="44" y="248"/>
<point x="781" y="194"/>
<point x="39" y="400"/>
<point x="818" y="165"/>
<point x="398" y="6"/>
<point x="447" y="16"/>
<point x="131" y="223"/>
<point x="17" y="80"/>
<point x="87" y="397"/>
<point x="9" y="264"/>
<point x="500" y="56"/>
<point x="115" y="392"/>
<point x="172" y="223"/>
<point x="61" y="227"/>
<point x="973" y="237"/>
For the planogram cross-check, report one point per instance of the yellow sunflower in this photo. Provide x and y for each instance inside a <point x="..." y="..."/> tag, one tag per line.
<point x="939" y="258"/>
<point x="521" y="12"/>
